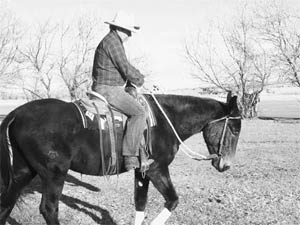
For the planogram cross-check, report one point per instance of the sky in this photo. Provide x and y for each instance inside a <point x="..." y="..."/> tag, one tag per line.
<point x="165" y="25"/>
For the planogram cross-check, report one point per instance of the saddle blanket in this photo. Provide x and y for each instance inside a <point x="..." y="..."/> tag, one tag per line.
<point x="89" y="116"/>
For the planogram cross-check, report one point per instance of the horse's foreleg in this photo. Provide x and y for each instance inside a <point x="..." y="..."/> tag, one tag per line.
<point x="141" y="186"/>
<point x="162" y="181"/>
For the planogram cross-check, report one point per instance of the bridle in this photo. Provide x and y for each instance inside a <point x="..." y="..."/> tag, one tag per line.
<point x="226" y="118"/>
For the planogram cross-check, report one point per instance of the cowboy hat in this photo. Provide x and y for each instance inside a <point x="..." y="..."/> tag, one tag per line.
<point x="124" y="20"/>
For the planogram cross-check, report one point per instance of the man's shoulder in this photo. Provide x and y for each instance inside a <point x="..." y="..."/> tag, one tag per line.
<point x="110" y="39"/>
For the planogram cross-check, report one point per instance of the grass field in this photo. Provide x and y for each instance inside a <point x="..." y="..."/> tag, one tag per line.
<point x="263" y="187"/>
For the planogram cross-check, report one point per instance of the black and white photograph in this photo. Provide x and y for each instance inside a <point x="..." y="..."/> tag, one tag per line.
<point x="119" y="112"/>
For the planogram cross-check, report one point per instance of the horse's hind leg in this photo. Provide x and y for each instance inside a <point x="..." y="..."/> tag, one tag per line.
<point x="52" y="189"/>
<point x="141" y="186"/>
<point x="22" y="177"/>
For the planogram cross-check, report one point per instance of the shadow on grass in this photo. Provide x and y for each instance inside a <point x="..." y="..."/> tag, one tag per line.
<point x="36" y="185"/>
<point x="74" y="203"/>
<point x="76" y="182"/>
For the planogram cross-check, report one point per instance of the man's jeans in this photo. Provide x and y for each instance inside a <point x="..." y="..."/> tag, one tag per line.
<point x="121" y="100"/>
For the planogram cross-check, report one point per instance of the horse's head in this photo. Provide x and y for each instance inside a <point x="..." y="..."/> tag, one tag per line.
<point x="221" y="136"/>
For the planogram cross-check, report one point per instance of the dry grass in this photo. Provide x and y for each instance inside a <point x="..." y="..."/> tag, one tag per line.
<point x="263" y="187"/>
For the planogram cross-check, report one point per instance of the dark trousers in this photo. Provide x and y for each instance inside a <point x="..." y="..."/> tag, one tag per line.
<point x="136" y="124"/>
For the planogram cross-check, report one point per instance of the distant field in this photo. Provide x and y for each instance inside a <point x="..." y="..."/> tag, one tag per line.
<point x="279" y="106"/>
<point x="262" y="188"/>
<point x="8" y="105"/>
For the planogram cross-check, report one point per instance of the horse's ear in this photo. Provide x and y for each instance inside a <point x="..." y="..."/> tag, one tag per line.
<point x="229" y="94"/>
<point x="233" y="107"/>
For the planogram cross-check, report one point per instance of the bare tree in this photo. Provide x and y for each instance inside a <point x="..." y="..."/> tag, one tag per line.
<point x="9" y="38"/>
<point x="233" y="60"/>
<point x="77" y="46"/>
<point x="37" y="56"/>
<point x="281" y="29"/>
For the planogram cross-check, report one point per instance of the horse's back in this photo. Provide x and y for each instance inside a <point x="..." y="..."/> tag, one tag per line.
<point x="45" y="110"/>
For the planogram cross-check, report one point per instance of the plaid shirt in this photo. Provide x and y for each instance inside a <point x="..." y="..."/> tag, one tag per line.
<point x="111" y="66"/>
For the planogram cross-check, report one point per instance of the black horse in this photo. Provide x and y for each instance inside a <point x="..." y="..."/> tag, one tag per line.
<point x="46" y="137"/>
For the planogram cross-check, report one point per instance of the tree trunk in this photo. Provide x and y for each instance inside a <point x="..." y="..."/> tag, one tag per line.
<point x="248" y="104"/>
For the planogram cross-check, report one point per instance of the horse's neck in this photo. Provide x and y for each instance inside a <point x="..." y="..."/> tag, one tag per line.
<point x="188" y="115"/>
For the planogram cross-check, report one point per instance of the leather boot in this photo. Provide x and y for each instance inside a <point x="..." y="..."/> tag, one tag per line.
<point x="131" y="162"/>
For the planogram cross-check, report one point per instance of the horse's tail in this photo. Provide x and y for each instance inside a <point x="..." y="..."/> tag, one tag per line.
<point x="6" y="163"/>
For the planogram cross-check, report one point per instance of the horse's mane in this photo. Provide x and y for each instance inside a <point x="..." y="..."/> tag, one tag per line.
<point x="183" y="101"/>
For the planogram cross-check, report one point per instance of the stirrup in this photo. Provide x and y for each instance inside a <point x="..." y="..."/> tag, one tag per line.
<point x="146" y="165"/>
<point x="145" y="161"/>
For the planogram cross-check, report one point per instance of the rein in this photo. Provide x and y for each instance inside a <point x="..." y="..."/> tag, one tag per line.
<point x="186" y="150"/>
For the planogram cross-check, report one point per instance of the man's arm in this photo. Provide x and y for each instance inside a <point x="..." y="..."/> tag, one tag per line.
<point x="119" y="59"/>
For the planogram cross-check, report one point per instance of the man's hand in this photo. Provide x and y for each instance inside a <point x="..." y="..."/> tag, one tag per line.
<point x="131" y="89"/>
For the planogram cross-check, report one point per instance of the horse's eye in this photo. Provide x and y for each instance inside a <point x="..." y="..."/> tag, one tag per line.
<point x="235" y="131"/>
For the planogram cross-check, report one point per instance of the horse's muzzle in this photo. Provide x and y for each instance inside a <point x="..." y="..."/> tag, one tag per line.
<point x="220" y="164"/>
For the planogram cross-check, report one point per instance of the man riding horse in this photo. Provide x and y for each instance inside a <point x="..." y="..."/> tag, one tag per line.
<point x="111" y="73"/>
<point x="46" y="137"/>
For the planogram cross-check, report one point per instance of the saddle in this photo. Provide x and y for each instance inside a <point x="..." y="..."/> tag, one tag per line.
<point x="97" y="114"/>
